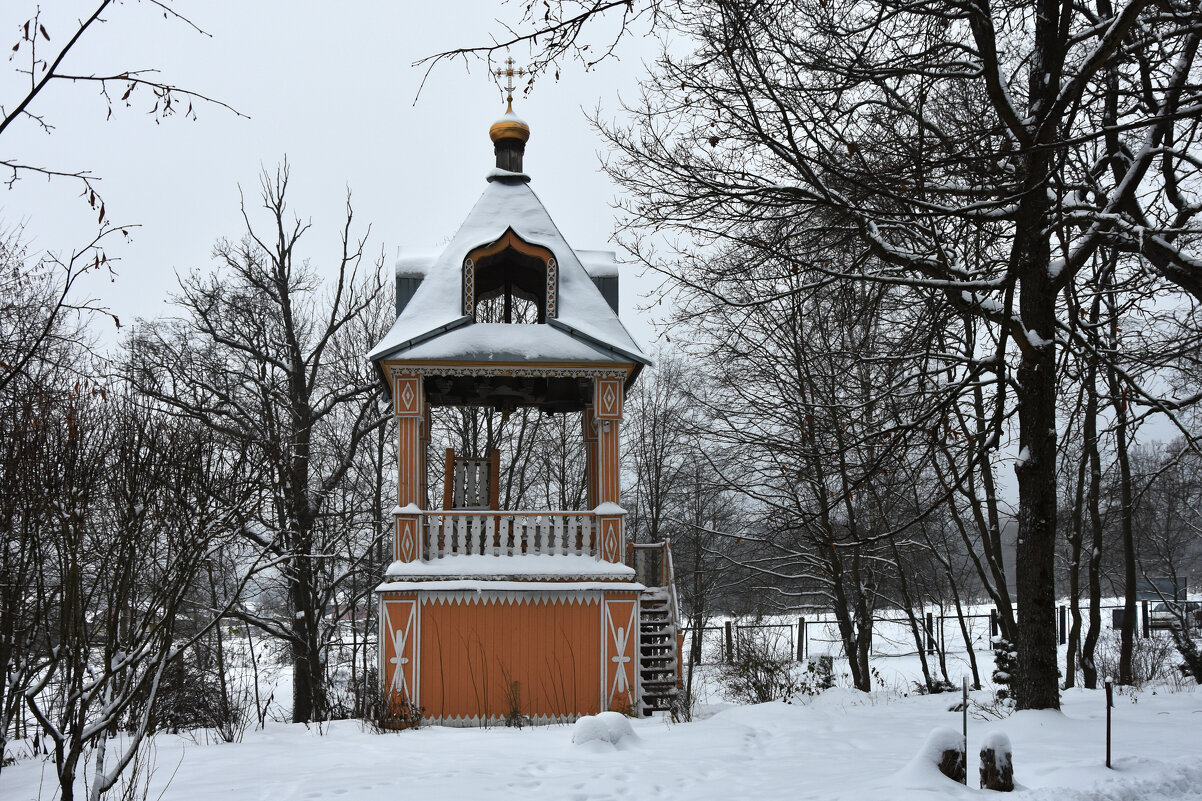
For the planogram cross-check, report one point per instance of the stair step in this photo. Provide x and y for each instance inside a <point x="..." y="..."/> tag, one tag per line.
<point x="657" y="665"/>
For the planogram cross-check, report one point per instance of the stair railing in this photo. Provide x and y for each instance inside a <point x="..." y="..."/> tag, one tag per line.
<point x="670" y="582"/>
<point x="667" y="573"/>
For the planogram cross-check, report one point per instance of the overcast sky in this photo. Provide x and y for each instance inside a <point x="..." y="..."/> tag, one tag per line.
<point x="331" y="87"/>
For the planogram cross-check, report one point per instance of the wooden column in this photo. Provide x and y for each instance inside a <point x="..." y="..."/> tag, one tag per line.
<point x="589" y="423"/>
<point x="409" y="405"/>
<point x="607" y="410"/>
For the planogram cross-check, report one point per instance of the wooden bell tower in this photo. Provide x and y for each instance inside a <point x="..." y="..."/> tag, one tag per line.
<point x="489" y="612"/>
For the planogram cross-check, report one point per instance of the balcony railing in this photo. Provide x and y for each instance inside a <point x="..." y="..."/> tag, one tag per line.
<point x="504" y="533"/>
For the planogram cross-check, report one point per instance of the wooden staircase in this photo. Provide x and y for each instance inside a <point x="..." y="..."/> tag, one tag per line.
<point x="659" y="667"/>
<point x="658" y="670"/>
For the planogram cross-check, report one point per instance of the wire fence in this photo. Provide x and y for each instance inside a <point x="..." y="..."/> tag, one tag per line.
<point x="814" y="635"/>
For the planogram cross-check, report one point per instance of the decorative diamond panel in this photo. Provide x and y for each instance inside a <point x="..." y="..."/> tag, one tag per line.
<point x="608" y="399"/>
<point x="406" y="546"/>
<point x="408" y="396"/>
<point x="611" y="542"/>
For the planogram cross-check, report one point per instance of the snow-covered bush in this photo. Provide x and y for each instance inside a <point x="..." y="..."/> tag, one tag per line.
<point x="935" y="687"/>
<point x="1005" y="658"/>
<point x="1190" y="653"/>
<point x="607" y="727"/>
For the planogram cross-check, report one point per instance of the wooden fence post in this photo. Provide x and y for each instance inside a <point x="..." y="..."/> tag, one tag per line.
<point x="730" y="642"/>
<point x="801" y="638"/>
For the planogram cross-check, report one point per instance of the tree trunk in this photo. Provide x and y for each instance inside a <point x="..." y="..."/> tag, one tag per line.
<point x="1075" y="538"/>
<point x="1035" y="685"/>
<point x="1127" y="647"/>
<point x="1089" y="670"/>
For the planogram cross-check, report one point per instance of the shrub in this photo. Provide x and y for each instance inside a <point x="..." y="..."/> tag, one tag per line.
<point x="388" y="711"/>
<point x="1151" y="658"/>
<point x="762" y="671"/>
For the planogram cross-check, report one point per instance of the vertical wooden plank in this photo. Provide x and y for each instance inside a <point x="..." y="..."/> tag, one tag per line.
<point x="494" y="480"/>
<point x="588" y="423"/>
<point x="448" y="479"/>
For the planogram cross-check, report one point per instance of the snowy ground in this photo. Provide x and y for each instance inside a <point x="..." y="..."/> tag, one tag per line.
<point x="839" y="745"/>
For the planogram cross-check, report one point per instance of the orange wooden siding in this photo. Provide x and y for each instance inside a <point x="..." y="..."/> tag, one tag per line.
<point x="473" y="648"/>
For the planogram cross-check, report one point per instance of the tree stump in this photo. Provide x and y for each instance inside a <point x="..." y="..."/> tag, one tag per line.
<point x="954" y="765"/>
<point x="997" y="765"/>
<point x="944" y="748"/>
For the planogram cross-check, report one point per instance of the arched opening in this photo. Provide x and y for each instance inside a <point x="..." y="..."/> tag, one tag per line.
<point x="510" y="281"/>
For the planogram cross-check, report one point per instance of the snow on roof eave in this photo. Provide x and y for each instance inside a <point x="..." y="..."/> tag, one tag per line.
<point x="378" y="357"/>
<point x="640" y="361"/>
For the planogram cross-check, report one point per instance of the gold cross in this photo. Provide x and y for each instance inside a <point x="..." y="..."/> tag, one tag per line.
<point x="508" y="74"/>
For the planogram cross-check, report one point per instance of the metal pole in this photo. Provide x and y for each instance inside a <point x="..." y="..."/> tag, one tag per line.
<point x="1109" y="706"/>
<point x="964" y="722"/>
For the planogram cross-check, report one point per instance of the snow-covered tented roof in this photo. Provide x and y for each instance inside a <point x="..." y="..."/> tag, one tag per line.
<point x="585" y="328"/>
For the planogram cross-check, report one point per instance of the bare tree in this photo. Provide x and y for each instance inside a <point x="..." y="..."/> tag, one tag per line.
<point x="45" y="62"/>
<point x="135" y="504"/>
<point x="905" y="128"/>
<point x="661" y="443"/>
<point x="261" y="355"/>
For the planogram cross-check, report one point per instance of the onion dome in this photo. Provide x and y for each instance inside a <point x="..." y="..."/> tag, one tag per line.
<point x="509" y="135"/>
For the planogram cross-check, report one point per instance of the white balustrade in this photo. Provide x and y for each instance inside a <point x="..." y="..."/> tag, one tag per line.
<point x="499" y="533"/>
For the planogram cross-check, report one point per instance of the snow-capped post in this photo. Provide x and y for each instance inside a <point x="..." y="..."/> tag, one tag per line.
<point x="801" y="638"/>
<point x="945" y="750"/>
<point x="1109" y="706"/>
<point x="997" y="763"/>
